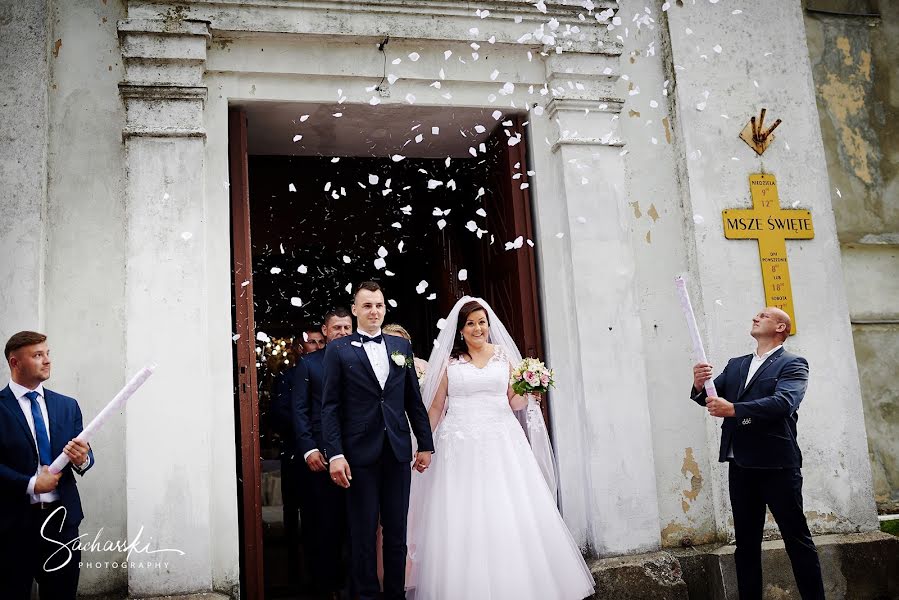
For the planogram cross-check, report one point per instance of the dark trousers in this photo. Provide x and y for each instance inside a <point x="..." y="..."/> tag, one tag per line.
<point x="751" y="490"/>
<point x="381" y="488"/>
<point x="25" y="556"/>
<point x="290" y="499"/>
<point x="323" y="515"/>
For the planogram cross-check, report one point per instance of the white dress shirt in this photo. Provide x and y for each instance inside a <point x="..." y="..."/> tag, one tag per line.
<point x="757" y="362"/>
<point x="377" y="356"/>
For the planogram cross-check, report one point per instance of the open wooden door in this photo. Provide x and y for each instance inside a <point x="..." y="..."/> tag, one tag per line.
<point x="245" y="361"/>
<point x="512" y="274"/>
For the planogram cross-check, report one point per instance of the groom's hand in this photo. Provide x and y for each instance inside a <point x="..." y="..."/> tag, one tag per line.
<point x="340" y="472"/>
<point x="422" y="461"/>
<point x="316" y="462"/>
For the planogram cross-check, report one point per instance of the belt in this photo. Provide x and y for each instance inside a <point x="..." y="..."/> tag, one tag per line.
<point x="40" y="506"/>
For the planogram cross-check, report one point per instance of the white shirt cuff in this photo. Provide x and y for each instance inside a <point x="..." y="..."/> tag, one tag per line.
<point x="31" y="482"/>
<point x="336" y="456"/>
<point x="308" y="454"/>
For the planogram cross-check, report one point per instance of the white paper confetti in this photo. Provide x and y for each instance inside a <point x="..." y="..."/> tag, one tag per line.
<point x="291" y="188"/>
<point x="392" y="303"/>
<point x="346" y="259"/>
<point x="186" y="235"/>
<point x="463" y="274"/>
<point x="421" y="287"/>
<point x="380" y="263"/>
<point x="302" y="269"/>
<point x="297" y="138"/>
<point x="263" y="337"/>
<point x="296" y="301"/>
<point x="275" y="270"/>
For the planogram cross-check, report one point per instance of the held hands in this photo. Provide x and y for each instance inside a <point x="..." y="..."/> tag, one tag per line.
<point x="316" y="462"/>
<point x="77" y="451"/>
<point x="719" y="407"/>
<point x="702" y="372"/>
<point x="340" y="472"/>
<point x="422" y="461"/>
<point x="46" y="481"/>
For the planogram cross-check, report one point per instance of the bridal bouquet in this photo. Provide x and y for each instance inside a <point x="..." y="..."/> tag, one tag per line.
<point x="531" y="377"/>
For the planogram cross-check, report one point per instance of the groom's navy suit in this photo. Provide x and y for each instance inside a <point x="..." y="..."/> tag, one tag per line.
<point x="20" y="520"/>
<point x="760" y="444"/>
<point x="368" y="425"/>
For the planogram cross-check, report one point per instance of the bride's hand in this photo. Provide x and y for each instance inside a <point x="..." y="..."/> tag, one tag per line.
<point x="422" y="461"/>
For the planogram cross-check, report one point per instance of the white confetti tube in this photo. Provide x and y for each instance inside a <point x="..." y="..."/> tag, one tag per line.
<point x="114" y="406"/>
<point x="698" y="350"/>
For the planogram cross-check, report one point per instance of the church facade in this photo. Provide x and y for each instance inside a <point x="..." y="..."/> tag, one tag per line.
<point x="119" y="228"/>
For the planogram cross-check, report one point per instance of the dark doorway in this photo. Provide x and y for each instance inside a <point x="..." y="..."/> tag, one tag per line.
<point x="320" y="224"/>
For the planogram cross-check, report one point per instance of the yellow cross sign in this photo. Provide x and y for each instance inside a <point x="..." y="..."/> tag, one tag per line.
<point x="771" y="225"/>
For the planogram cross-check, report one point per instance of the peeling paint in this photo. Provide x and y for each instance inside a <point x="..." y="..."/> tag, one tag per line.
<point x="667" y="125"/>
<point x="56" y="46"/>
<point x="692" y="467"/>
<point x="653" y="213"/>
<point x="636" y="206"/>
<point x="633" y="113"/>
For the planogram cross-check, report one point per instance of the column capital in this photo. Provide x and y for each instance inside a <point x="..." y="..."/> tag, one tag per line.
<point x="163" y="89"/>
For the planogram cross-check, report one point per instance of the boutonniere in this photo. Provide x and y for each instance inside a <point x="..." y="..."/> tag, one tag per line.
<point x="400" y="359"/>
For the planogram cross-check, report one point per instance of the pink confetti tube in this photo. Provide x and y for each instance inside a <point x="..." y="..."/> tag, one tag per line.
<point x="698" y="350"/>
<point x="114" y="406"/>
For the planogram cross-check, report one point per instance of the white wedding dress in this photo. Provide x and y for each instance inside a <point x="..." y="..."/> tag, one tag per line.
<point x="487" y="526"/>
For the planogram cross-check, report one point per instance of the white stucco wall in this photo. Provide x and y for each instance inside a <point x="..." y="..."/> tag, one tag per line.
<point x="769" y="67"/>
<point x="24" y="42"/>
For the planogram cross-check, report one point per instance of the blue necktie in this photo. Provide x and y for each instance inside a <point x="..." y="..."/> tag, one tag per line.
<point x="40" y="429"/>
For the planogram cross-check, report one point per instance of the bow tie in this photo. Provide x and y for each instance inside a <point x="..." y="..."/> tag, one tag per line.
<point x="376" y="339"/>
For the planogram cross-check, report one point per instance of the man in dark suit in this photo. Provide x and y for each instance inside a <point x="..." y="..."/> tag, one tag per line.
<point x="311" y="339"/>
<point x="39" y="510"/>
<point x="759" y="442"/>
<point x="322" y="504"/>
<point x="370" y="388"/>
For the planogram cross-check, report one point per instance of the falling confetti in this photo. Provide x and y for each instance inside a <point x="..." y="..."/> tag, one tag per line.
<point x="302" y="269"/>
<point x="275" y="270"/>
<point x="296" y="301"/>
<point x="291" y="188"/>
<point x="463" y="274"/>
<point x="187" y="235"/>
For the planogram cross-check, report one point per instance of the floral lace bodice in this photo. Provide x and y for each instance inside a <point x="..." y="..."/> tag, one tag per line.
<point x="478" y="396"/>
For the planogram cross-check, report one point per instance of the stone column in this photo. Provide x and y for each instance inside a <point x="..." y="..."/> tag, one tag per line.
<point x="606" y="464"/>
<point x="169" y="463"/>
<point x="24" y="78"/>
<point x="725" y="67"/>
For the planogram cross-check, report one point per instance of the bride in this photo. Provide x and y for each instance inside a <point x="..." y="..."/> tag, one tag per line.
<point x="483" y="521"/>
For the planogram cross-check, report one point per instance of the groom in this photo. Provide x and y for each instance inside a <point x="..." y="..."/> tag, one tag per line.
<point x="370" y="387"/>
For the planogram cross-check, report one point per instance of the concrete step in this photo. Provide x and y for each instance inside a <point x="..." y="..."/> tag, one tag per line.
<point x="861" y="566"/>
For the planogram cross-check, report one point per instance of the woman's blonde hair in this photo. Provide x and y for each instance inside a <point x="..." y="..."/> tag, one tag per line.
<point x="396" y="329"/>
